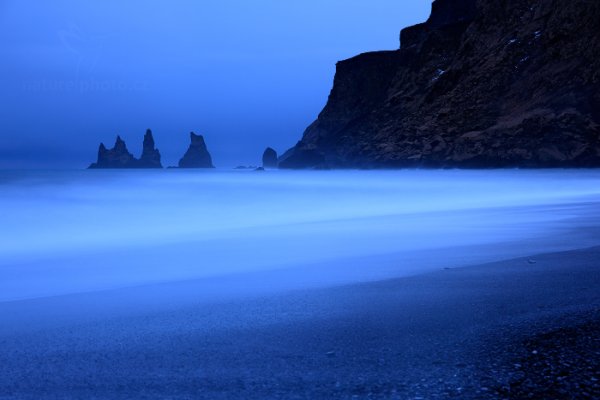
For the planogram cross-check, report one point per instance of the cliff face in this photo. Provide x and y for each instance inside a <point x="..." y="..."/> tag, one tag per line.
<point x="197" y="155"/>
<point x="482" y="83"/>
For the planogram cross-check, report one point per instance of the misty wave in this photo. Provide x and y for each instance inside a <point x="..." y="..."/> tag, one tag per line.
<point x="72" y="231"/>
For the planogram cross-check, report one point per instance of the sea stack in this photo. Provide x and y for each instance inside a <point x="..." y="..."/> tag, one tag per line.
<point x="117" y="157"/>
<point x="120" y="157"/>
<point x="197" y="155"/>
<point x="150" y="155"/>
<point x="269" y="158"/>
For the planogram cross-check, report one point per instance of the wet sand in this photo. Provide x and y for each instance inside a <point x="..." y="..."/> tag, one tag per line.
<point x="453" y="333"/>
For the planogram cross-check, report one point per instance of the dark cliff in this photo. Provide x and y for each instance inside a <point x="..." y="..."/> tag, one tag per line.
<point x="197" y="155"/>
<point x="482" y="83"/>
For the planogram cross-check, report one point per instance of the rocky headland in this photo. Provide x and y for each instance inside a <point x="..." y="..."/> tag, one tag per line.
<point x="480" y="84"/>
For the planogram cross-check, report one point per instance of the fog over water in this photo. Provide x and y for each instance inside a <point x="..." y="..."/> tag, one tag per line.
<point x="76" y="231"/>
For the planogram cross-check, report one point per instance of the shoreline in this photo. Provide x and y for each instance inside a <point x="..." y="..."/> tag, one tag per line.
<point x="444" y="334"/>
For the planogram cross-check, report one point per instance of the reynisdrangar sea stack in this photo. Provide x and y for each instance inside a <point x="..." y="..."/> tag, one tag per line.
<point x="197" y="155"/>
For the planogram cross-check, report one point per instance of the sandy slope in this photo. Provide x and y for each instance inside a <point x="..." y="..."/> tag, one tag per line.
<point x="451" y="333"/>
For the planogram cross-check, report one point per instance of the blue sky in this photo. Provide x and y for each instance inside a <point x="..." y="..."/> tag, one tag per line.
<point x="245" y="74"/>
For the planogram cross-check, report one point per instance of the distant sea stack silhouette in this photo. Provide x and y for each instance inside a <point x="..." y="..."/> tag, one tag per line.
<point x="269" y="158"/>
<point x="120" y="157"/>
<point x="480" y="84"/>
<point x="197" y="155"/>
<point x="150" y="155"/>
<point x="117" y="157"/>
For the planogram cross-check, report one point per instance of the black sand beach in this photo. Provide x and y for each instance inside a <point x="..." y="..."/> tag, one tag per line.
<point x="485" y="331"/>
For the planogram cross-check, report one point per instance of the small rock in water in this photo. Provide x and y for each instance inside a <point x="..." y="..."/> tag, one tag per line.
<point x="270" y="158"/>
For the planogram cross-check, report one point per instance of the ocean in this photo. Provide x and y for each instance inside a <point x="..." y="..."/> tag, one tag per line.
<point x="74" y="231"/>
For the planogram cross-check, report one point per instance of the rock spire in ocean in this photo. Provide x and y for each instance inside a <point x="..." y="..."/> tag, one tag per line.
<point x="150" y="155"/>
<point x="120" y="157"/>
<point x="197" y="155"/>
<point x="269" y="158"/>
<point x="117" y="157"/>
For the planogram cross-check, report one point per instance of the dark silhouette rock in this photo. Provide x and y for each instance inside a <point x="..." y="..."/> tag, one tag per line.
<point x="482" y="83"/>
<point x="117" y="157"/>
<point x="120" y="157"/>
<point x="197" y="155"/>
<point x="269" y="158"/>
<point x="150" y="155"/>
